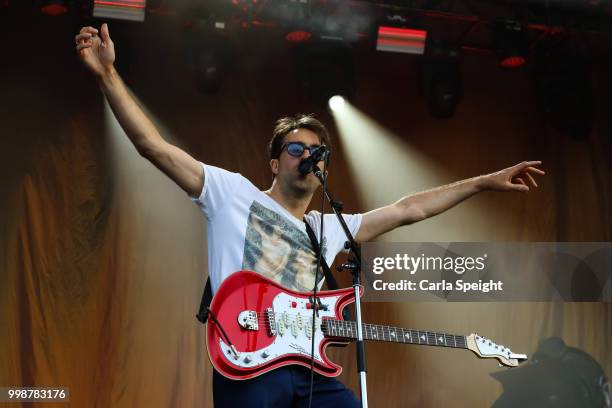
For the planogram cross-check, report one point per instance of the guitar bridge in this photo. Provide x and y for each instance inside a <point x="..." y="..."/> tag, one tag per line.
<point x="248" y="320"/>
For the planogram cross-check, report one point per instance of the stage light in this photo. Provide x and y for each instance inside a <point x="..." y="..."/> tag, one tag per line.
<point x="442" y="81"/>
<point x="511" y="44"/>
<point x="207" y="68"/>
<point x="404" y="40"/>
<point x="131" y="10"/>
<point x="336" y="103"/>
<point x="207" y="50"/>
<point x="54" y="8"/>
<point x="512" y="61"/>
<point x="298" y="36"/>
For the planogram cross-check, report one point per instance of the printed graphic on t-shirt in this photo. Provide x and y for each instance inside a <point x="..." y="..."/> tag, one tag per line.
<point x="279" y="250"/>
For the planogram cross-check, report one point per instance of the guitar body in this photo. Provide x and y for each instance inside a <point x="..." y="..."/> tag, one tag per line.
<point x="270" y="327"/>
<point x="256" y="325"/>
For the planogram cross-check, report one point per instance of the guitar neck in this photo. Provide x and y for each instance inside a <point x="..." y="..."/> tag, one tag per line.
<point x="376" y="332"/>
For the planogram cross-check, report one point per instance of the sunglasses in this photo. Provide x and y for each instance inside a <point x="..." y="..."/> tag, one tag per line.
<point x="296" y="149"/>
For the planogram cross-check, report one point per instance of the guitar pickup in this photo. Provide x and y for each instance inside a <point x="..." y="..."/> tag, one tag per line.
<point x="271" y="321"/>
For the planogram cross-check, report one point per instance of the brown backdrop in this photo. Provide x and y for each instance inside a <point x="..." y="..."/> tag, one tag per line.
<point x="103" y="259"/>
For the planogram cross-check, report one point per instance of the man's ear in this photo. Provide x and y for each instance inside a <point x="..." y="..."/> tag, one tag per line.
<point x="274" y="166"/>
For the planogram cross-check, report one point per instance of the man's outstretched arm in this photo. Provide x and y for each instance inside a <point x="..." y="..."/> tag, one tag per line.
<point x="419" y="206"/>
<point x="97" y="51"/>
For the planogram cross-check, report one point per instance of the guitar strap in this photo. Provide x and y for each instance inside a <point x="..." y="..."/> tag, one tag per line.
<point x="202" y="315"/>
<point x="332" y="284"/>
<point x="329" y="277"/>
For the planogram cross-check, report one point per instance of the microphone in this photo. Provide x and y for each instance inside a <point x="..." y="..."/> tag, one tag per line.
<point x="309" y="163"/>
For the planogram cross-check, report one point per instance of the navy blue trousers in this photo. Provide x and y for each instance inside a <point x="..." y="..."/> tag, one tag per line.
<point x="285" y="387"/>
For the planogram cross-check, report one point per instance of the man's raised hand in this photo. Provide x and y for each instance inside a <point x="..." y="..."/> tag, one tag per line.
<point x="96" y="49"/>
<point x="515" y="178"/>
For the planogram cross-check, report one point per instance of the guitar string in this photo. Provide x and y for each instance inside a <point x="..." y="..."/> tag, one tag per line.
<point x="416" y="337"/>
<point x="265" y="319"/>
<point x="351" y="326"/>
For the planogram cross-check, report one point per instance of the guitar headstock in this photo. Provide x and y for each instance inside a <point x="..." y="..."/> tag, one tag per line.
<point x="486" y="348"/>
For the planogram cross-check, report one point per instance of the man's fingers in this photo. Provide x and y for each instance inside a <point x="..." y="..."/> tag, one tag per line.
<point x="531" y="179"/>
<point x="82" y="47"/>
<point x="520" y="184"/>
<point x="89" y="29"/>
<point x="82" y="37"/>
<point x="104" y="32"/>
<point x="533" y="163"/>
<point x="526" y="164"/>
<point x="535" y="170"/>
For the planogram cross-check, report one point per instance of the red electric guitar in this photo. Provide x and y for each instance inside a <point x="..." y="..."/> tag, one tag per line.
<point x="257" y="325"/>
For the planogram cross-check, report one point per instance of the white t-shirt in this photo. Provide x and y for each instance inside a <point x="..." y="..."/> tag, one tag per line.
<point x="248" y="230"/>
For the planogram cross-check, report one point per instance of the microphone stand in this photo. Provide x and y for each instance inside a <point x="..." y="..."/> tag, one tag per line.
<point x="353" y="265"/>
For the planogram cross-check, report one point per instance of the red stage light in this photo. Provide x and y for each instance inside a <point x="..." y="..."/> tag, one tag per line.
<point x="298" y="36"/>
<point x="406" y="40"/>
<point x="54" y="9"/>
<point x="403" y="33"/>
<point x="130" y="4"/>
<point x="133" y="10"/>
<point x="512" y="61"/>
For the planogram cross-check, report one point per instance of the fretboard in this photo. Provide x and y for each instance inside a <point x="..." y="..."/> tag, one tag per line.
<point x="348" y="330"/>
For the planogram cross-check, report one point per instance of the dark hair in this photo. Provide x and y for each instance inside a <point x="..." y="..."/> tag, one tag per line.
<point x="290" y="123"/>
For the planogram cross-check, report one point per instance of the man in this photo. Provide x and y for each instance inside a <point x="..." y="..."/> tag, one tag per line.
<point x="264" y="231"/>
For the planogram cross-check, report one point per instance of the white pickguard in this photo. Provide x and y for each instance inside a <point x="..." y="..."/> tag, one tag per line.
<point x="294" y="337"/>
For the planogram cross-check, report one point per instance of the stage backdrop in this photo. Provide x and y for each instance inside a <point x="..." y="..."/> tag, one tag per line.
<point x="103" y="259"/>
